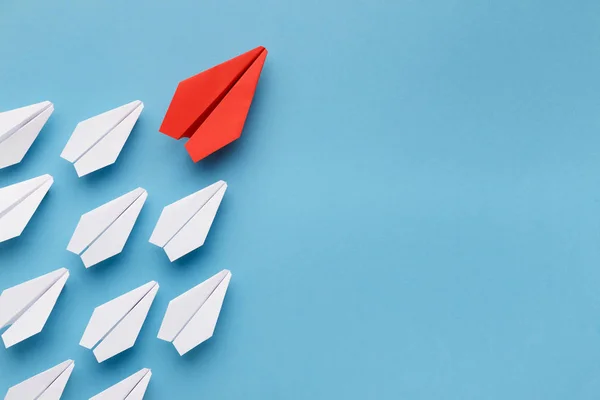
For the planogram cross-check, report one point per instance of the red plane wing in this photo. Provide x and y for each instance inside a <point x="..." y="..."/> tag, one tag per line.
<point x="226" y="122"/>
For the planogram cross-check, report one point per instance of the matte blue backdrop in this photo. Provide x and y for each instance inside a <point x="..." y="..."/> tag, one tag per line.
<point x="413" y="209"/>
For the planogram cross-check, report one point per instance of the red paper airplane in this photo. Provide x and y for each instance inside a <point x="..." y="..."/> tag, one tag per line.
<point x="210" y="108"/>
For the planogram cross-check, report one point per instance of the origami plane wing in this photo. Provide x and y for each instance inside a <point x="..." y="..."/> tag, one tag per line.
<point x="211" y="108"/>
<point x="103" y="232"/>
<point x="18" y="130"/>
<point x="18" y="203"/>
<point x="184" y="225"/>
<point x="132" y="388"/>
<point x="48" y="385"/>
<point x="114" y="326"/>
<point x="191" y="318"/>
<point x="97" y="141"/>
<point x="26" y="307"/>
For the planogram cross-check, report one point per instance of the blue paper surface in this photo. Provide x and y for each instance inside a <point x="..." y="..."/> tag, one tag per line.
<point x="413" y="209"/>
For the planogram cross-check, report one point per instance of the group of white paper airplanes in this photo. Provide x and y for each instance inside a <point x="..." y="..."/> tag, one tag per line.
<point x="50" y="384"/>
<point x="113" y="328"/>
<point x="94" y="144"/>
<point x="102" y="233"/>
<point x="182" y="227"/>
<point x="190" y="318"/>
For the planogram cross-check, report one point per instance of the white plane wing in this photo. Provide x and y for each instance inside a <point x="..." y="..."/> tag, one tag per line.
<point x="18" y="203"/>
<point x="26" y="307"/>
<point x="132" y="388"/>
<point x="48" y="385"/>
<point x="103" y="232"/>
<point x="97" y="141"/>
<point x="18" y="130"/>
<point x="184" y="225"/>
<point x="191" y="318"/>
<point x="114" y="326"/>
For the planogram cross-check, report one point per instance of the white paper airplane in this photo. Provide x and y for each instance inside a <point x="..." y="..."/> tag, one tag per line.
<point x="97" y="141"/>
<point x="114" y="326"/>
<point x="26" y="307"/>
<point x="132" y="388"/>
<point x="48" y="385"/>
<point x="18" y="203"/>
<point x="18" y="130"/>
<point x="103" y="232"/>
<point x="191" y="318"/>
<point x="184" y="225"/>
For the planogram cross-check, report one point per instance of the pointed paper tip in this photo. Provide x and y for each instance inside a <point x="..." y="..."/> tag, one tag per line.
<point x="42" y="180"/>
<point x="65" y="365"/>
<point x="42" y="106"/>
<point x="226" y="277"/>
<point x="262" y="55"/>
<point x="223" y="274"/>
<point x="138" y="104"/>
<point x="47" y="177"/>
<point x="135" y="104"/>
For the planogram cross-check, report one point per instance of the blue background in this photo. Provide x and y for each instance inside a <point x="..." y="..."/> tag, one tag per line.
<point x="413" y="210"/>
